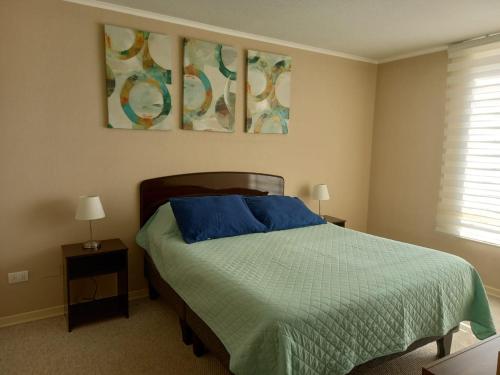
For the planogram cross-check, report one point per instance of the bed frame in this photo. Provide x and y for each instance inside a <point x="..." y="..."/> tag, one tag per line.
<point x="157" y="191"/>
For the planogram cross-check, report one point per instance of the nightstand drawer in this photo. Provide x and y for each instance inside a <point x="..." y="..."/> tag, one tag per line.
<point x="91" y="265"/>
<point x="335" y="220"/>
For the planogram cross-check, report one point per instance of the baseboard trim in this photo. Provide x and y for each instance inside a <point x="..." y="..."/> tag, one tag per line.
<point x="492" y="292"/>
<point x="138" y="294"/>
<point x="465" y="327"/>
<point x="53" y="311"/>
<point x="30" y="316"/>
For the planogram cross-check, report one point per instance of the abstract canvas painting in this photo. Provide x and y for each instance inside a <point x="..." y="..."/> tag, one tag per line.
<point x="138" y="76"/>
<point x="209" y="86"/>
<point x="268" y="92"/>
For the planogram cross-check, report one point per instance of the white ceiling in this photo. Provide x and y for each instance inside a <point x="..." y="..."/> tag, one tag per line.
<point x="373" y="29"/>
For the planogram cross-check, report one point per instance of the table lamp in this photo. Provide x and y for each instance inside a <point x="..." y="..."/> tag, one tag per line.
<point x="90" y="208"/>
<point x="320" y="193"/>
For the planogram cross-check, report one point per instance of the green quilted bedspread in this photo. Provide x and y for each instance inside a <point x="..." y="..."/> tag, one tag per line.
<point x="316" y="300"/>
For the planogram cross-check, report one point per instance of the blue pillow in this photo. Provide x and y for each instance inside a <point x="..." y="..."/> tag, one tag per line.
<point x="204" y="218"/>
<point x="278" y="212"/>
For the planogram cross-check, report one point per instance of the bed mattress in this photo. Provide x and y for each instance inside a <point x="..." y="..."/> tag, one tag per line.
<point x="316" y="300"/>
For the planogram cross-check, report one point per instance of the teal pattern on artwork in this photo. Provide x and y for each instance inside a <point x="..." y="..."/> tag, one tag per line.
<point x="222" y="68"/>
<point x="127" y="87"/>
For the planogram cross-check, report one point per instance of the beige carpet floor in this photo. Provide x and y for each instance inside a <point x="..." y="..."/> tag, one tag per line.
<point x="147" y="343"/>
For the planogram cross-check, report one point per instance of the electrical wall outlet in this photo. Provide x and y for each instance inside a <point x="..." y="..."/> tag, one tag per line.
<point x="17" y="277"/>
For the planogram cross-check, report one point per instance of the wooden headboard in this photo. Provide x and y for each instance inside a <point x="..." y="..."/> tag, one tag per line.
<point x="157" y="191"/>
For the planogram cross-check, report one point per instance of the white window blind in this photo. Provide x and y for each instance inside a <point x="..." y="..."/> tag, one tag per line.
<point x="469" y="204"/>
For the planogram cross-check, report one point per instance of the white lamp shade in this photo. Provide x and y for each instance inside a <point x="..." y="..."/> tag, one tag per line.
<point x="320" y="192"/>
<point x="89" y="208"/>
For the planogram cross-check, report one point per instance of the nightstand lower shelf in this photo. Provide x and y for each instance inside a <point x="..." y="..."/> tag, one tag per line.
<point x="98" y="309"/>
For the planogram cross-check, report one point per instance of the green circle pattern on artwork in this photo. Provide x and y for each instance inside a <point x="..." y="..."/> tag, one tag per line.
<point x="222" y="68"/>
<point x="127" y="108"/>
<point x="200" y="111"/>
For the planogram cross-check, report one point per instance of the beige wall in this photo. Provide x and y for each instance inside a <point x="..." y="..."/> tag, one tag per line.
<point x="54" y="145"/>
<point x="406" y="161"/>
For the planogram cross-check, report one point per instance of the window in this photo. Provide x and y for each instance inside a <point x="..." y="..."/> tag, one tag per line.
<point x="469" y="204"/>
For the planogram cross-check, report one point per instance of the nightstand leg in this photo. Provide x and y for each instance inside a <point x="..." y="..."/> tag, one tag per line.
<point x="122" y="280"/>
<point x="67" y="296"/>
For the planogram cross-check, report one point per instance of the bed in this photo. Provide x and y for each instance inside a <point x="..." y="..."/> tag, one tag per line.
<point x="319" y="300"/>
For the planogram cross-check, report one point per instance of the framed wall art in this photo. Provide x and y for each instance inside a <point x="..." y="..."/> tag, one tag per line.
<point x="268" y="92"/>
<point x="209" y="86"/>
<point x="138" y="79"/>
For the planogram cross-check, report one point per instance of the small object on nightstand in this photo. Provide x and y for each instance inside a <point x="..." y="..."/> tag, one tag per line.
<point x="80" y="263"/>
<point x="335" y="220"/>
<point x="90" y="208"/>
<point x="320" y="193"/>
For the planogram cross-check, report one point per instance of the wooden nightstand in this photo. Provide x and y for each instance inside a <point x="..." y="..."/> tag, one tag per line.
<point x="335" y="220"/>
<point x="79" y="263"/>
<point x="479" y="359"/>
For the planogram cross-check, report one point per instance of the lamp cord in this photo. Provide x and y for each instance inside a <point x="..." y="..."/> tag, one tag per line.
<point x="94" y="294"/>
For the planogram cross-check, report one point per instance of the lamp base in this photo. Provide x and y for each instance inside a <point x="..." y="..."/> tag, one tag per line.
<point x="92" y="245"/>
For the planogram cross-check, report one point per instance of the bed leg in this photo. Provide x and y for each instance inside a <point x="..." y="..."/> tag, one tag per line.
<point x="444" y="345"/>
<point x="198" y="347"/>
<point x="153" y="294"/>
<point x="187" y="334"/>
